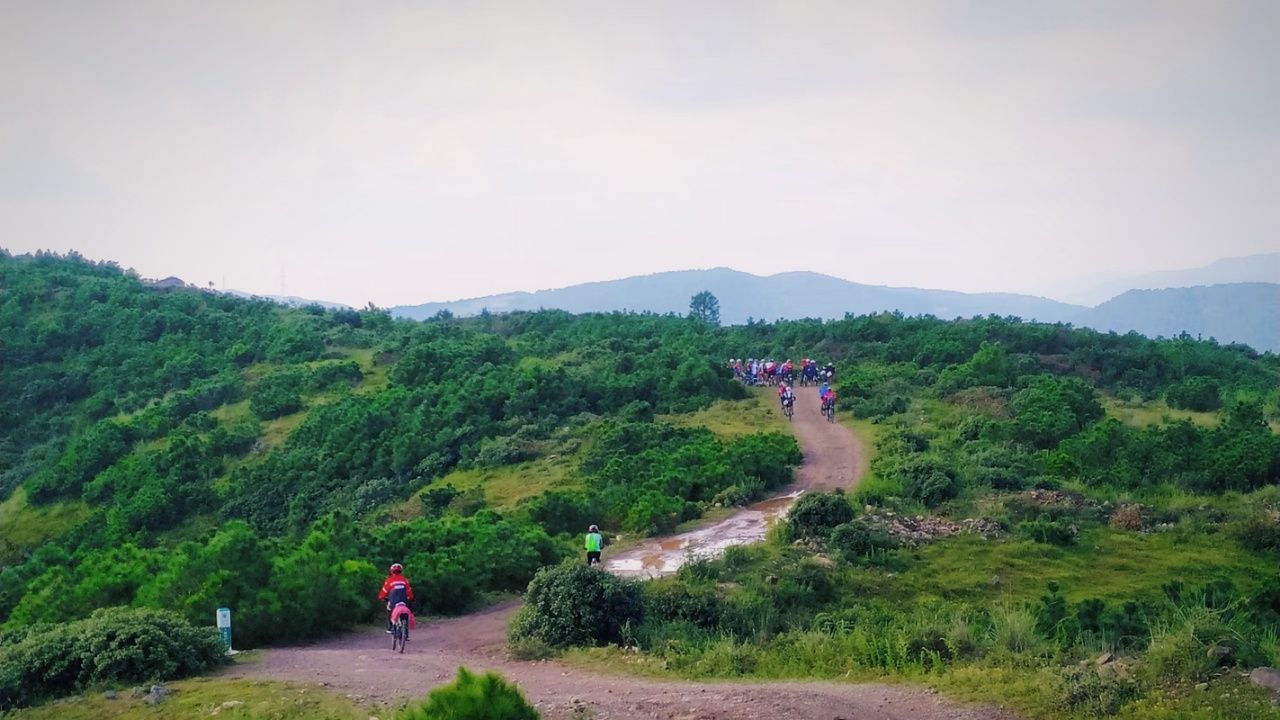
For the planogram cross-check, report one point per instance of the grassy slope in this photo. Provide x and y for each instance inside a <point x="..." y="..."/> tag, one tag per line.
<point x="24" y="526"/>
<point x="735" y="418"/>
<point x="201" y="698"/>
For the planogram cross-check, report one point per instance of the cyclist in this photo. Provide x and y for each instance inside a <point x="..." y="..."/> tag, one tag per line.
<point x="829" y="400"/>
<point x="594" y="543"/>
<point x="829" y="372"/>
<point x="809" y="371"/>
<point x="786" y="396"/>
<point x="395" y="590"/>
<point x="823" y="389"/>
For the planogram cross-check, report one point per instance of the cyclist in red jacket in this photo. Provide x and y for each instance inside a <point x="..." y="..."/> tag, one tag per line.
<point x="395" y="590"/>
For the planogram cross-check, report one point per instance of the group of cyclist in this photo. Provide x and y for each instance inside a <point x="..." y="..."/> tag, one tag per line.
<point x="753" y="371"/>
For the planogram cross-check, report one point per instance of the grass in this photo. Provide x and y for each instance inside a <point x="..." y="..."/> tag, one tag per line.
<point x="1107" y="564"/>
<point x="735" y="418"/>
<point x="274" y="432"/>
<point x="504" y="487"/>
<point x="376" y="376"/>
<point x="24" y="526"/>
<point x="207" y="697"/>
<point x="233" y="412"/>
<point x="1153" y="412"/>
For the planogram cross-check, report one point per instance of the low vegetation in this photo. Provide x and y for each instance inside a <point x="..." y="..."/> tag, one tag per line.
<point x="1039" y="496"/>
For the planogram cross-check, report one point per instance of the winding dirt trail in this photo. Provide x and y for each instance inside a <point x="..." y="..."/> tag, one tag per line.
<point x="833" y="458"/>
<point x="362" y="666"/>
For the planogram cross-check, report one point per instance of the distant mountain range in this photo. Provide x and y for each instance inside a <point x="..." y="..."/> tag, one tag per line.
<point x="1239" y="312"/>
<point x="1264" y="268"/>
<point x="1246" y="313"/>
<point x="291" y="300"/>
<point x="744" y="296"/>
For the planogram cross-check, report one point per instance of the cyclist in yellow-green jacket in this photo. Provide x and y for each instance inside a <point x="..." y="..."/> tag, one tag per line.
<point x="594" y="543"/>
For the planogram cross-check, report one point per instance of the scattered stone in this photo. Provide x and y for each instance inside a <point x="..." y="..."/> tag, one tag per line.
<point x="1105" y="658"/>
<point x="231" y="704"/>
<point x="1266" y="677"/>
<point x="109" y="695"/>
<point x="1218" y="652"/>
<point x="158" y="694"/>
<point x="1202" y="687"/>
<point x="137" y="692"/>
<point x="914" y="530"/>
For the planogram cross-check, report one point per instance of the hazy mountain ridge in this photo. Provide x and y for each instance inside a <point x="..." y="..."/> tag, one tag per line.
<point x="1264" y="268"/>
<point x="1246" y="313"/>
<point x="745" y="296"/>
<point x="1236" y="312"/>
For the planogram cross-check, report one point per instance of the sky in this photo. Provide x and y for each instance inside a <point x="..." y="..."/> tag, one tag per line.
<point x="404" y="152"/>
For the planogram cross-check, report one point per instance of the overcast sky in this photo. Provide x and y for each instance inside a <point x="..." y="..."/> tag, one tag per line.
<point x="399" y="152"/>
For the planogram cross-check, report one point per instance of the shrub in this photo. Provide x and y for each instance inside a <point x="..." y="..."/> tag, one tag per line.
<point x="1195" y="393"/>
<point x="1051" y="532"/>
<point x="473" y="697"/>
<point x="928" y="480"/>
<point x="1260" y="532"/>
<point x="559" y="511"/>
<point x="699" y="605"/>
<point x="855" y="540"/>
<point x="114" y="645"/>
<point x="1013" y="631"/>
<point x="1084" y="689"/>
<point x="572" y="604"/>
<point x="815" y="514"/>
<point x="1183" y="645"/>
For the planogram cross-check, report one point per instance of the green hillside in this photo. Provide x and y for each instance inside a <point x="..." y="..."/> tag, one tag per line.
<point x="184" y="450"/>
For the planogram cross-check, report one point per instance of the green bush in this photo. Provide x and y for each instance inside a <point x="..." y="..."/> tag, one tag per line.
<point x="1195" y="393"/>
<point x="573" y="604"/>
<point x="1051" y="532"/>
<point x="700" y="605"/>
<point x="815" y="514"/>
<point x="928" y="480"/>
<point x="114" y="645"/>
<point x="1084" y="689"/>
<point x="473" y="697"/>
<point x="1260" y="531"/>
<point x="854" y="540"/>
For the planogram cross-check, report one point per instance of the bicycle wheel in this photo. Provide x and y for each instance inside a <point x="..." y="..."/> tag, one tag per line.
<point x="404" y="631"/>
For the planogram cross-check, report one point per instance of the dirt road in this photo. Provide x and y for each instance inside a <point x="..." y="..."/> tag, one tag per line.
<point x="833" y="458"/>
<point x="361" y="664"/>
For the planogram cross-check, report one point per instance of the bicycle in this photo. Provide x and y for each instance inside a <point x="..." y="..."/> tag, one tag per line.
<point x="789" y="409"/>
<point x="829" y="411"/>
<point x="400" y="632"/>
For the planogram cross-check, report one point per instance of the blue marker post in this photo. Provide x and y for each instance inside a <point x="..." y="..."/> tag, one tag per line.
<point x="224" y="626"/>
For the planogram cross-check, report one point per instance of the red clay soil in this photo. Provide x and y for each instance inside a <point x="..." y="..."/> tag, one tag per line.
<point x="362" y="665"/>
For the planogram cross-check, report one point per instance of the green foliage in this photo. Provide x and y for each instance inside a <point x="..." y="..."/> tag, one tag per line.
<point x="473" y="697"/>
<point x="857" y="540"/>
<point x="705" y="307"/>
<point x="279" y="393"/>
<point x="1051" y="409"/>
<point x="573" y="604"/>
<point x="1046" y="530"/>
<point x="116" y="645"/>
<point x="815" y="514"/>
<point x="1086" y="690"/>
<point x="1203" y="394"/>
<point x="928" y="480"/>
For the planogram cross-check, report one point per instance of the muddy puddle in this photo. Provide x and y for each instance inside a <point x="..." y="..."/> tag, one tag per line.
<point x="658" y="557"/>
